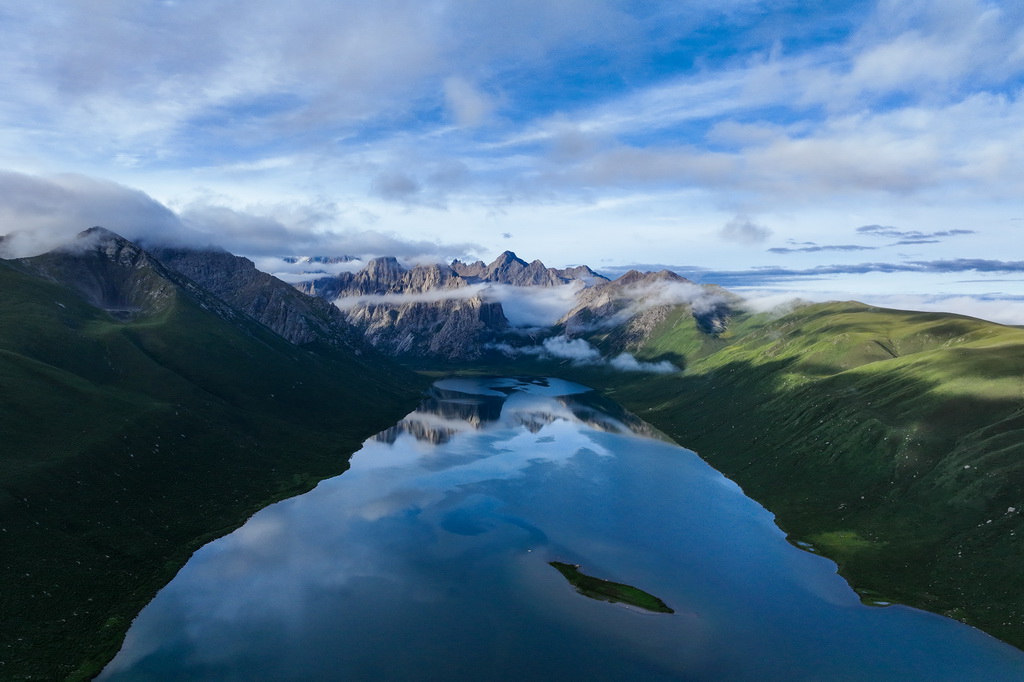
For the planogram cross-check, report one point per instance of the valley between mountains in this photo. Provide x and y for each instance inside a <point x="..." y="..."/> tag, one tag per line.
<point x="153" y="397"/>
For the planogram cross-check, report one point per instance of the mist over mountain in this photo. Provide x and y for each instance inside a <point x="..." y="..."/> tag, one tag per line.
<point x="467" y="311"/>
<point x="456" y="311"/>
<point x="512" y="307"/>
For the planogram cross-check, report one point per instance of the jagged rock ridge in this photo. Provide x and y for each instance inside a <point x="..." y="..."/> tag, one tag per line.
<point x="435" y="310"/>
<point x="443" y="311"/>
<point x="299" y="319"/>
<point x="510" y="269"/>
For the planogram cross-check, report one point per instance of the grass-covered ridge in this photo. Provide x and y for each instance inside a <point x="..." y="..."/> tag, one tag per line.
<point x="129" y="444"/>
<point x="890" y="441"/>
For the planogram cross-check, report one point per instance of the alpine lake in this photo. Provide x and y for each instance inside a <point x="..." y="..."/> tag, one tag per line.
<point x="439" y="555"/>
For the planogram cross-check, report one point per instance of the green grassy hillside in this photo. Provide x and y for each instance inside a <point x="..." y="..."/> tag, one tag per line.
<point x="890" y="441"/>
<point x="127" y="445"/>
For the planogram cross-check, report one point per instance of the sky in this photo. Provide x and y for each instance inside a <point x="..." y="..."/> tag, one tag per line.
<point x="869" y="150"/>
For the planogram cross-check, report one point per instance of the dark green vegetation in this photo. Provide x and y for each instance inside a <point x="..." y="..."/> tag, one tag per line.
<point x="892" y="442"/>
<point x="605" y="590"/>
<point x="132" y="435"/>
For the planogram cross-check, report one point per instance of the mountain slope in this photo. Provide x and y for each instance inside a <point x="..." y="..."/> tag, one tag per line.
<point x="890" y="441"/>
<point x="135" y="434"/>
<point x="297" y="318"/>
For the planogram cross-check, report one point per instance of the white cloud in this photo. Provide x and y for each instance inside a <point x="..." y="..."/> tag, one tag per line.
<point x="577" y="350"/>
<point x="582" y="353"/>
<point x="41" y="213"/>
<point x="466" y="104"/>
<point x="626" y="362"/>
<point x="303" y="269"/>
<point x="347" y="303"/>
<point x="743" y="230"/>
<point x="999" y="308"/>
<point x="533" y="306"/>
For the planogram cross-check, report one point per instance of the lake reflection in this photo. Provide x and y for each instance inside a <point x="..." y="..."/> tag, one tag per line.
<point x="428" y="560"/>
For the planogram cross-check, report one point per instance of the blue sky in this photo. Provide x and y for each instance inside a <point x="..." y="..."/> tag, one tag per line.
<point x="872" y="151"/>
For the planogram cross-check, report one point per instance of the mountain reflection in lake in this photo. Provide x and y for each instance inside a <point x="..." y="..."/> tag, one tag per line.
<point x="427" y="560"/>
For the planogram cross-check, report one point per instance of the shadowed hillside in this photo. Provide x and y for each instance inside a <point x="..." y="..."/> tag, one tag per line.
<point x="134" y="435"/>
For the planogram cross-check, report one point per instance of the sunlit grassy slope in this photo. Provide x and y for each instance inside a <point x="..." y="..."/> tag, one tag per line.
<point x="891" y="441"/>
<point x="126" y="446"/>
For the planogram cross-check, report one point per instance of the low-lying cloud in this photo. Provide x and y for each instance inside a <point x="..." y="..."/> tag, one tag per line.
<point x="643" y="297"/>
<point x="524" y="307"/>
<point x="1000" y="309"/>
<point x="581" y="353"/>
<point x="347" y="303"/>
<point x="39" y="214"/>
<point x="533" y="306"/>
<point x="302" y="269"/>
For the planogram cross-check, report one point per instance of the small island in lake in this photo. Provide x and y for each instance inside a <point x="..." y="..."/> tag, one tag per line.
<point x="605" y="590"/>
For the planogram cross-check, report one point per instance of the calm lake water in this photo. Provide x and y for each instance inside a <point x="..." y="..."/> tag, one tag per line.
<point x="428" y="560"/>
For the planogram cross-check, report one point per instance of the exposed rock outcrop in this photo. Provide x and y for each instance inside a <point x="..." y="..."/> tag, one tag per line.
<point x="637" y="302"/>
<point x="510" y="269"/>
<point x="453" y="328"/>
<point x="114" y="274"/>
<point x="437" y="310"/>
<point x="299" y="319"/>
<point x="447" y="312"/>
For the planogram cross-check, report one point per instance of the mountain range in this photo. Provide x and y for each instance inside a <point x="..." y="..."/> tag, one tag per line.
<point x="152" y="398"/>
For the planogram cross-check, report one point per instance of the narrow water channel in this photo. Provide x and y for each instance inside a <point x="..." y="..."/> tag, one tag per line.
<point x="428" y="560"/>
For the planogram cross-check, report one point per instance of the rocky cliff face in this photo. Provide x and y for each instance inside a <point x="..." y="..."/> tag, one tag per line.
<point x="434" y="311"/>
<point x="299" y="319"/>
<point x="114" y="274"/>
<point x="510" y="269"/>
<point x="637" y="302"/>
<point x="448" y="312"/>
<point x="454" y="329"/>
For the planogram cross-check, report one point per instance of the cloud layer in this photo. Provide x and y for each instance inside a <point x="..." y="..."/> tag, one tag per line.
<point x="44" y="212"/>
<point x="579" y="352"/>
<point x="733" y="135"/>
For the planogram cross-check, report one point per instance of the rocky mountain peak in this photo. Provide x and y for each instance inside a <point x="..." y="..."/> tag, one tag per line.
<point x="386" y="268"/>
<point x="108" y="244"/>
<point x="507" y="258"/>
<point x="108" y="271"/>
<point x="278" y="306"/>
<point x="637" y="278"/>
